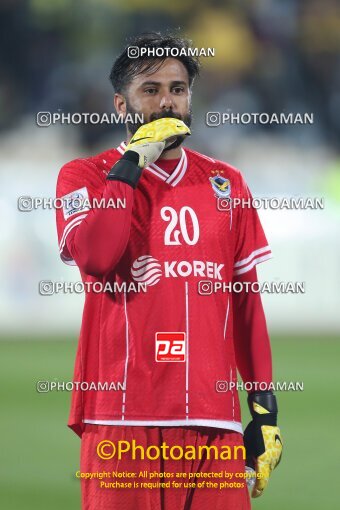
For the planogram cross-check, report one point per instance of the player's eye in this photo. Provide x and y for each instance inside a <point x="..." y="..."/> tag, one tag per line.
<point x="150" y="91"/>
<point x="178" y="90"/>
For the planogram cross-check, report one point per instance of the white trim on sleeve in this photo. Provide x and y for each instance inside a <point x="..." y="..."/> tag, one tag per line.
<point x="70" y="226"/>
<point x="69" y="262"/>
<point x="251" y="256"/>
<point x="257" y="256"/>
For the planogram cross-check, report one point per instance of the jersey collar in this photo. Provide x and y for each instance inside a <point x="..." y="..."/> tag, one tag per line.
<point x="175" y="177"/>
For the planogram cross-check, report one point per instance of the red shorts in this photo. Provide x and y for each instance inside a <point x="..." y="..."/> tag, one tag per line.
<point x="178" y="491"/>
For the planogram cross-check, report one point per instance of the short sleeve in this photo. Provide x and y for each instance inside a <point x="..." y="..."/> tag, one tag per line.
<point x="251" y="245"/>
<point x="78" y="183"/>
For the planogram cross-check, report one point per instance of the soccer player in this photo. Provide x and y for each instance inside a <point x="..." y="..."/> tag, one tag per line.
<point x="163" y="326"/>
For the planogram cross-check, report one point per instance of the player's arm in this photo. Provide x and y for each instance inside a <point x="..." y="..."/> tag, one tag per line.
<point x="262" y="437"/>
<point x="98" y="242"/>
<point x="252" y="344"/>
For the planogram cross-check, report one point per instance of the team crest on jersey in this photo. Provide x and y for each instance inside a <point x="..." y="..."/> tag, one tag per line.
<point x="220" y="185"/>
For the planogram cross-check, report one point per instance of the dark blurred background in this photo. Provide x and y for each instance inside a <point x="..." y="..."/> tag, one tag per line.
<point x="270" y="56"/>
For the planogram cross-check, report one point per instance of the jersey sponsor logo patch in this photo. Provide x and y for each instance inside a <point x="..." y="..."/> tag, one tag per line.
<point x="220" y="185"/>
<point x="75" y="202"/>
<point x="146" y="269"/>
<point x="170" y="346"/>
<point x="149" y="270"/>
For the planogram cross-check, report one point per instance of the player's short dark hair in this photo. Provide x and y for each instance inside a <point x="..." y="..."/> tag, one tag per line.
<point x="126" y="68"/>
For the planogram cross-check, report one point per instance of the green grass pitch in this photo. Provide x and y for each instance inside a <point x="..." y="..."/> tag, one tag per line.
<point x="39" y="454"/>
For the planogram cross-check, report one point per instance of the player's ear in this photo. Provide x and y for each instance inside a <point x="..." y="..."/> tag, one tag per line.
<point x="119" y="103"/>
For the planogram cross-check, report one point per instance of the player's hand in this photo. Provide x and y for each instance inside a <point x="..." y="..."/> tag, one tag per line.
<point x="151" y="139"/>
<point x="262" y="438"/>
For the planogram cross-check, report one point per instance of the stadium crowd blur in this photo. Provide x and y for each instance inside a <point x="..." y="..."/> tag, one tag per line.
<point x="270" y="57"/>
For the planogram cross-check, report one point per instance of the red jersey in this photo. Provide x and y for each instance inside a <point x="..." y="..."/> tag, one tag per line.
<point x="160" y="330"/>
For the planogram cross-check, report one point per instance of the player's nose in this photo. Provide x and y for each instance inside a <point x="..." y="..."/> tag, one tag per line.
<point x="166" y="102"/>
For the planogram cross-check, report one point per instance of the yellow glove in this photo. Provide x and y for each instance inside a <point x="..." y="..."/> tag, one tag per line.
<point x="262" y="439"/>
<point x="151" y="139"/>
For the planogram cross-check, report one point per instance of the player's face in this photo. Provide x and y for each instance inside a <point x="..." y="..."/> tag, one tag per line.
<point x="164" y="93"/>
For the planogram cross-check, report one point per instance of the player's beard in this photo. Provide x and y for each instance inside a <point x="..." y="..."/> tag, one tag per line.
<point x="134" y="126"/>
